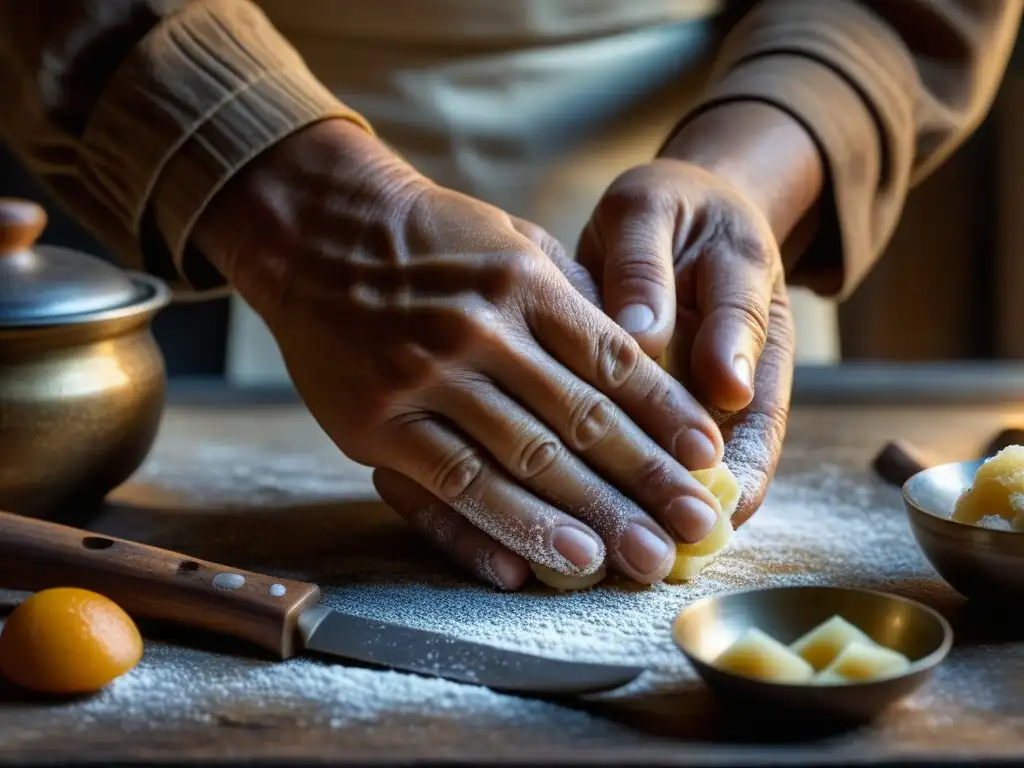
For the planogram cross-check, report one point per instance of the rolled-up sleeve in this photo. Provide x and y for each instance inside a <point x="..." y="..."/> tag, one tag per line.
<point x="135" y="113"/>
<point x="888" y="89"/>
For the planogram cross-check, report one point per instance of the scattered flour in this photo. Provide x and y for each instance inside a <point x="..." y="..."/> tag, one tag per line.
<point x="833" y="525"/>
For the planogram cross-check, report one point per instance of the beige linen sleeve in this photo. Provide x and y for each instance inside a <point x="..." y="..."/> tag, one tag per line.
<point x="888" y="89"/>
<point x="134" y="113"/>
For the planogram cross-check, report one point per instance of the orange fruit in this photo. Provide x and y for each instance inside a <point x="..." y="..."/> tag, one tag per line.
<point x="68" y="641"/>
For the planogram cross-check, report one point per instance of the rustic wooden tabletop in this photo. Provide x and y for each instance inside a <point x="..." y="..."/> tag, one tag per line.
<point x="260" y="487"/>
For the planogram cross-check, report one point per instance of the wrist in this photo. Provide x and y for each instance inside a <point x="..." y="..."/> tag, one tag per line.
<point x="762" y="151"/>
<point x="268" y="205"/>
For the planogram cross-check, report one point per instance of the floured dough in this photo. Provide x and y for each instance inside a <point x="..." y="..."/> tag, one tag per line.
<point x="762" y="657"/>
<point x="997" y="491"/>
<point x="860" y="662"/>
<point x="823" y="644"/>
<point x="564" y="583"/>
<point x="691" y="559"/>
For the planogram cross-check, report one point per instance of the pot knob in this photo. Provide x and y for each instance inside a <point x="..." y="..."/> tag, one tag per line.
<point x="21" y="224"/>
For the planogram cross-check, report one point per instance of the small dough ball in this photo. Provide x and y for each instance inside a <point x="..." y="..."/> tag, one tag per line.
<point x="825" y="642"/>
<point x="563" y="583"/>
<point x="759" y="656"/>
<point x="691" y="559"/>
<point x="997" y="490"/>
<point x="861" y="662"/>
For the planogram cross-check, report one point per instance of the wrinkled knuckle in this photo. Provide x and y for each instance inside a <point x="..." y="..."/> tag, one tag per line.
<point x="520" y="266"/>
<point x="592" y="420"/>
<point x="618" y="359"/>
<point x="480" y="326"/>
<point x="655" y="473"/>
<point x="752" y="311"/>
<point x="638" y="264"/>
<point x="778" y="422"/>
<point x="625" y="197"/>
<point x="536" y="456"/>
<point x="457" y="475"/>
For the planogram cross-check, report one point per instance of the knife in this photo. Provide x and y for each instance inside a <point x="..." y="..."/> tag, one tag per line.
<point x="282" y="616"/>
<point x="10" y="599"/>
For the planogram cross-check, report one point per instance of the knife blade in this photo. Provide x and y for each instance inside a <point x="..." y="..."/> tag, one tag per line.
<point x="10" y="599"/>
<point x="279" y="615"/>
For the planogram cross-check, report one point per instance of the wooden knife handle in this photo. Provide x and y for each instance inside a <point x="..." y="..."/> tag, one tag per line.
<point x="153" y="583"/>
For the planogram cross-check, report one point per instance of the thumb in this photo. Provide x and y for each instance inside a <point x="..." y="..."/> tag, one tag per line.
<point x="637" y="276"/>
<point x="734" y="295"/>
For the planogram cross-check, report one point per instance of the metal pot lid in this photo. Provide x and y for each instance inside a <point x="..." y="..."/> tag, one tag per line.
<point x="42" y="283"/>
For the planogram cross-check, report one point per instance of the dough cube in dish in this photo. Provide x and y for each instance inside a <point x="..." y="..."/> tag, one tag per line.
<point x="825" y="642"/>
<point x="997" y="489"/>
<point x="691" y="559"/>
<point x="759" y="656"/>
<point x="564" y="583"/>
<point x="829" y="677"/>
<point x="862" y="662"/>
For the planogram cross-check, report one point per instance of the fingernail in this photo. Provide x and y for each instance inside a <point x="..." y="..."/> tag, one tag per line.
<point x="644" y="551"/>
<point x="695" y="450"/>
<point x="636" y="318"/>
<point x="506" y="570"/>
<point x="744" y="371"/>
<point x="690" y="519"/>
<point x="575" y="546"/>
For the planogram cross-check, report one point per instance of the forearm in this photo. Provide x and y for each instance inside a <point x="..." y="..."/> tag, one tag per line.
<point x="861" y="77"/>
<point x="762" y="151"/>
<point x="136" y="112"/>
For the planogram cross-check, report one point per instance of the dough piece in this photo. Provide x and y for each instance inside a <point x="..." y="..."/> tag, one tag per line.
<point x="759" y="656"/>
<point x="825" y="642"/>
<point x="691" y="559"/>
<point x="997" y="490"/>
<point x="564" y="583"/>
<point x="829" y="677"/>
<point x="861" y="662"/>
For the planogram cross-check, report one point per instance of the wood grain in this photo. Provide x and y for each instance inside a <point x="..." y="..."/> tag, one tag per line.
<point x="154" y="583"/>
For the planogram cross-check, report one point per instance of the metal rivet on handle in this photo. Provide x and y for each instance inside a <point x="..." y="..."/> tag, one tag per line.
<point x="228" y="581"/>
<point x="277" y="590"/>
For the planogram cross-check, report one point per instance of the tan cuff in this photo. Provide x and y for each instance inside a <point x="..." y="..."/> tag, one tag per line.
<point x="205" y="92"/>
<point x="835" y="115"/>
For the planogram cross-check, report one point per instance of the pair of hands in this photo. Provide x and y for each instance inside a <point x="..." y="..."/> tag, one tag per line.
<point x="458" y="351"/>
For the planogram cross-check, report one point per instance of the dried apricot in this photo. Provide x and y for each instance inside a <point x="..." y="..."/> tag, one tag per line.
<point x="68" y="641"/>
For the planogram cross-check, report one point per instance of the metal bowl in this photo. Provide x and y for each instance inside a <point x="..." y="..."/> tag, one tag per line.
<point x="980" y="563"/>
<point x="81" y="376"/>
<point x="709" y="626"/>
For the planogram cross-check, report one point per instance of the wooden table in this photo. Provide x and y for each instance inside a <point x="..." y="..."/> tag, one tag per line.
<point x="259" y="486"/>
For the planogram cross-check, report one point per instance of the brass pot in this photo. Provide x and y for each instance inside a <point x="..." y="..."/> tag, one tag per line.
<point x="81" y="376"/>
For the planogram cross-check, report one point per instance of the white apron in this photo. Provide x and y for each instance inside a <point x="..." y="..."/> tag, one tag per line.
<point x="534" y="106"/>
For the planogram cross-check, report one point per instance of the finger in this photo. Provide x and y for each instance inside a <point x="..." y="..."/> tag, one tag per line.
<point x="534" y="456"/>
<point x="633" y="240"/>
<point x="578" y="277"/>
<point x="451" y="533"/>
<point x="754" y="436"/>
<point x="583" y="340"/>
<point x="593" y="429"/>
<point x="735" y="291"/>
<point x="448" y="466"/>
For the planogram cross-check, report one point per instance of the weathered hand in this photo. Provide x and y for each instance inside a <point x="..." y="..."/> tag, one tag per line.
<point x="434" y="339"/>
<point x="689" y="266"/>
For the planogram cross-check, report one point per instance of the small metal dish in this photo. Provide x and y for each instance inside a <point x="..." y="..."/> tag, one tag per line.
<point x="980" y="563"/>
<point x="707" y="627"/>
